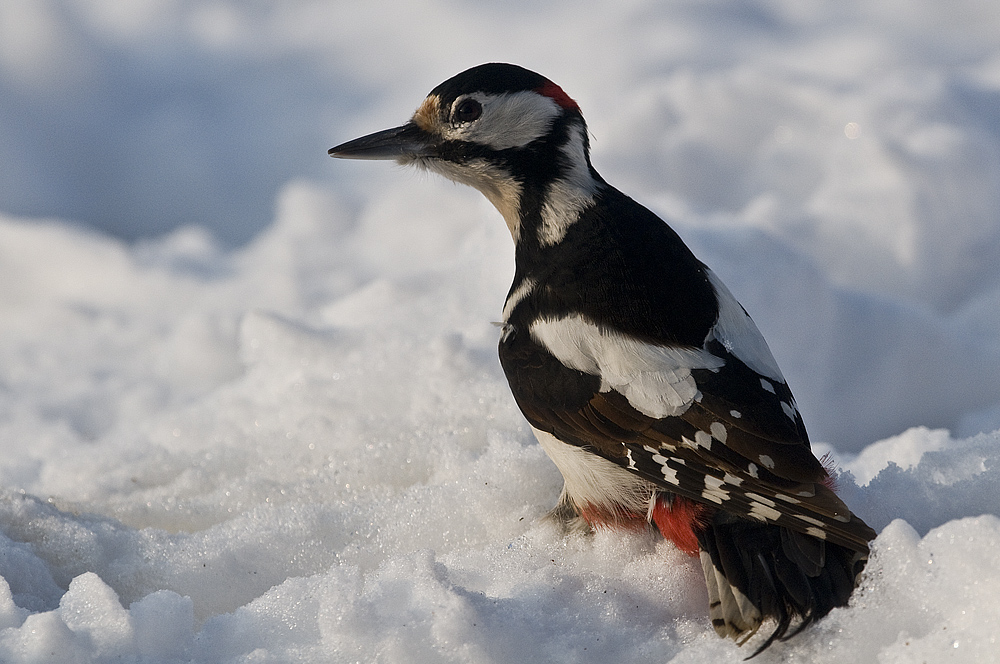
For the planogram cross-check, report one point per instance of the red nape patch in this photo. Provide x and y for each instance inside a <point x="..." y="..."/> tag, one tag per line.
<point x="678" y="520"/>
<point x="830" y="466"/>
<point x="554" y="92"/>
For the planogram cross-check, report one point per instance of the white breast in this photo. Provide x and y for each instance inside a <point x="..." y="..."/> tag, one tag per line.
<point x="593" y="481"/>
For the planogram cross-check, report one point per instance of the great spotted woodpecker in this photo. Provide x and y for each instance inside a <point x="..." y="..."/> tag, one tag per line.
<point x="643" y="378"/>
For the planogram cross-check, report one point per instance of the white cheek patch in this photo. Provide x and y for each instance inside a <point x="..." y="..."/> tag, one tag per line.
<point x="738" y="334"/>
<point x="508" y="120"/>
<point x="656" y="380"/>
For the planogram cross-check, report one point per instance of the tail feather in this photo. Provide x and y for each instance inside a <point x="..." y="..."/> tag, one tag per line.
<point x="809" y="553"/>
<point x="755" y="571"/>
<point x="733" y="614"/>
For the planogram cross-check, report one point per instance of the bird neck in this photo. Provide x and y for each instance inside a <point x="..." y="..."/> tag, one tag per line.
<point x="553" y="191"/>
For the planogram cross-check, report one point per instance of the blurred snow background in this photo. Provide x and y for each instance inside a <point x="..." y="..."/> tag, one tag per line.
<point x="250" y="409"/>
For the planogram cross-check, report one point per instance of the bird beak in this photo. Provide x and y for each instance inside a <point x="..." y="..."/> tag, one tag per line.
<point x="401" y="143"/>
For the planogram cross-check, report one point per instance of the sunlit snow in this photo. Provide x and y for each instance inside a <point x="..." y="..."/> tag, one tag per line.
<point x="250" y="406"/>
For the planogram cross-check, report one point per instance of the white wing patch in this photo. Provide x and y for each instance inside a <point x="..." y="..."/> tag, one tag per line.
<point x="719" y="431"/>
<point x="764" y="513"/>
<point x="669" y="474"/>
<point x="656" y="380"/>
<point x="713" y="490"/>
<point x="737" y="332"/>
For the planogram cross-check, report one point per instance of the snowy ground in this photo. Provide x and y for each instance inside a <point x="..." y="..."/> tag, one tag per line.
<point x="250" y="409"/>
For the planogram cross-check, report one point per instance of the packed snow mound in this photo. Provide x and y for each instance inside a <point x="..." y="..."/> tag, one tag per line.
<point x="305" y="450"/>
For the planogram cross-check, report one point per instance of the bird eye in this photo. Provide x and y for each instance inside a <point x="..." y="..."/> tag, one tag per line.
<point x="467" y="110"/>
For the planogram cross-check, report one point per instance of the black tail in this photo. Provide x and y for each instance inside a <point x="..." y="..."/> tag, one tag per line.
<point x="756" y="571"/>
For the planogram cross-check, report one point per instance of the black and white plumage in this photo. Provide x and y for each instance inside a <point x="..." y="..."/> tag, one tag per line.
<point x="642" y="377"/>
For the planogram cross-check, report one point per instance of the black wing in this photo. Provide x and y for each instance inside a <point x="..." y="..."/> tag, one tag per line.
<point x="734" y="446"/>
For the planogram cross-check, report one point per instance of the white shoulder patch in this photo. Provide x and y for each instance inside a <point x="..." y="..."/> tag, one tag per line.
<point x="656" y="380"/>
<point x="737" y="332"/>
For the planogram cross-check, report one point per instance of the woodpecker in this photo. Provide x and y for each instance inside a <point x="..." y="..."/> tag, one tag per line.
<point x="642" y="377"/>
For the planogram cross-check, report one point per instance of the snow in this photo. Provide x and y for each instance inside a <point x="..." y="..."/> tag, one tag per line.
<point x="250" y="407"/>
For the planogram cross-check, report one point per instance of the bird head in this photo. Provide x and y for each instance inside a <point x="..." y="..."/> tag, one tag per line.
<point x="511" y="133"/>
